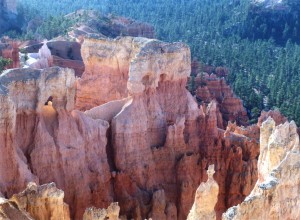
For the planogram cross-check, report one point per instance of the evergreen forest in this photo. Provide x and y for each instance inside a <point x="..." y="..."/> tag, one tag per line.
<point x="259" y="46"/>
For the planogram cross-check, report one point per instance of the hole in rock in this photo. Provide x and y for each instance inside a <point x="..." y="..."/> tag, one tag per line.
<point x="49" y="101"/>
<point x="189" y="154"/>
<point x="49" y="115"/>
<point x="170" y="122"/>
<point x="146" y="80"/>
<point x="163" y="77"/>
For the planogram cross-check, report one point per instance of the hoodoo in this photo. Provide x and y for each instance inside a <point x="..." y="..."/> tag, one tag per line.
<point x="275" y="193"/>
<point x="127" y="131"/>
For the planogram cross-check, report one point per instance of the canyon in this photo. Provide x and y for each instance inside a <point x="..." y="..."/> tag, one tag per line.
<point x="127" y="140"/>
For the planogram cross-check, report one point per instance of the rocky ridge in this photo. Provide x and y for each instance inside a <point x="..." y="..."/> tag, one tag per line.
<point x="127" y="131"/>
<point x="274" y="195"/>
<point x="90" y="22"/>
<point x="210" y="87"/>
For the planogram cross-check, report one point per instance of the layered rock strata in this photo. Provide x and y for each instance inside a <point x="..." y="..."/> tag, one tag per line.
<point x="36" y="111"/>
<point x="175" y="139"/>
<point x="211" y="87"/>
<point x="142" y="141"/>
<point x="275" y="193"/>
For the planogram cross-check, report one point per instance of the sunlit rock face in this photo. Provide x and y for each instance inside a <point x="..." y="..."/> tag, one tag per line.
<point x="111" y="213"/>
<point x="35" y="202"/>
<point x="161" y="140"/>
<point x="205" y="199"/>
<point x="40" y="60"/>
<point x="127" y="131"/>
<point x="128" y="66"/>
<point x="43" y="140"/>
<point x="275" y="195"/>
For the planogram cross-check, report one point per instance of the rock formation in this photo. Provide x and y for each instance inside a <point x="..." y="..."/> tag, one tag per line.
<point x="274" y="114"/>
<point x="92" y="22"/>
<point x="36" y="202"/>
<point x="40" y="60"/>
<point x="10" y="50"/>
<point x="164" y="121"/>
<point x="275" y="195"/>
<point x="35" y="113"/>
<point x="111" y="213"/>
<point x="211" y="87"/>
<point x="142" y="141"/>
<point x="64" y="54"/>
<point x="205" y="199"/>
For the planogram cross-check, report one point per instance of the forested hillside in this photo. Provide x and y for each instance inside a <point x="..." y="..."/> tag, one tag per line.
<point x="258" y="46"/>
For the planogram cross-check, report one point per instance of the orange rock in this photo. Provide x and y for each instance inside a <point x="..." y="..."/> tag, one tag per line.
<point x="10" y="50"/>
<point x="231" y="107"/>
<point x="143" y="141"/>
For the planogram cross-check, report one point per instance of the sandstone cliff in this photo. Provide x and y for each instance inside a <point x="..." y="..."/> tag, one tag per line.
<point x="142" y="141"/>
<point x="211" y="87"/>
<point x="275" y="193"/>
<point x="175" y="139"/>
<point x="205" y="199"/>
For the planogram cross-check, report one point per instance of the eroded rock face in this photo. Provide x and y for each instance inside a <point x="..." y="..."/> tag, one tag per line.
<point x="142" y="141"/>
<point x="93" y="22"/>
<point x="40" y="60"/>
<point x="111" y="213"/>
<point x="210" y="87"/>
<point x="36" y="112"/>
<point x="116" y="63"/>
<point x="36" y="202"/>
<point x="205" y="199"/>
<point x="274" y="195"/>
<point x="175" y="139"/>
<point x="65" y="54"/>
<point x="43" y="201"/>
<point x="10" y="50"/>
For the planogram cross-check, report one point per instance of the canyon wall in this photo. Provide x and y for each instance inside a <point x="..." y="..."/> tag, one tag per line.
<point x="210" y="87"/>
<point x="10" y="50"/>
<point x="175" y="139"/>
<point x="127" y="131"/>
<point x="275" y="195"/>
